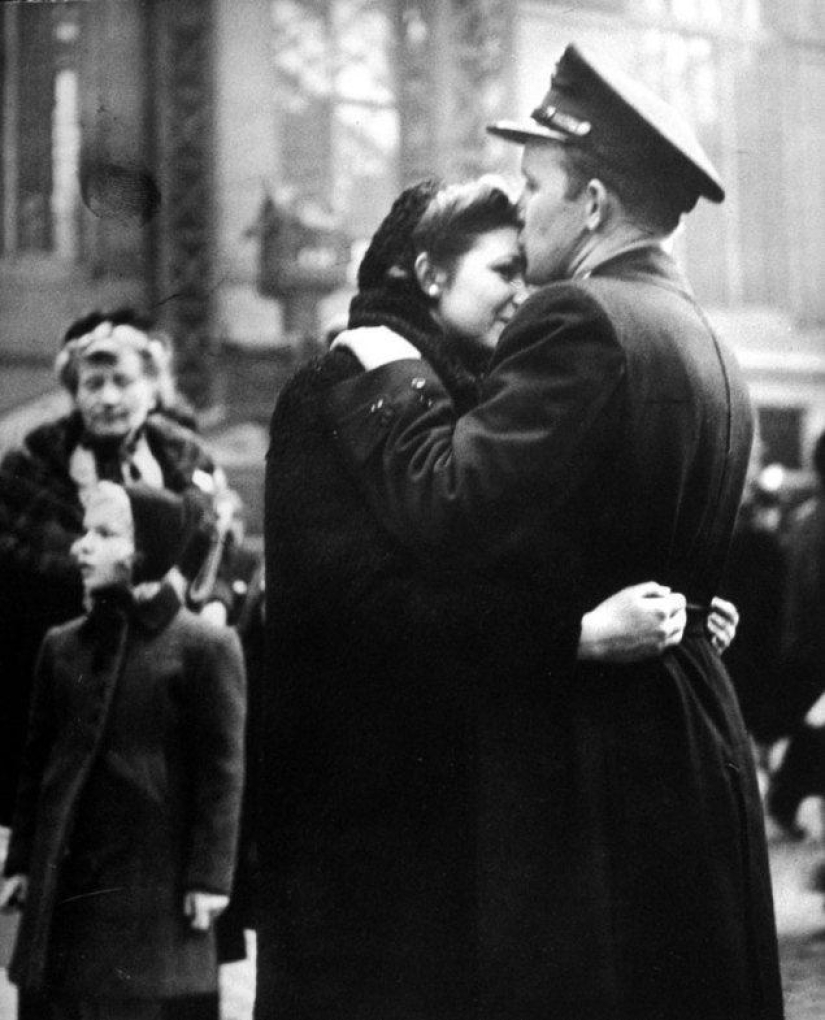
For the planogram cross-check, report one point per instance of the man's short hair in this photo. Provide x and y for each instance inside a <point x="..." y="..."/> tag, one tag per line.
<point x="652" y="207"/>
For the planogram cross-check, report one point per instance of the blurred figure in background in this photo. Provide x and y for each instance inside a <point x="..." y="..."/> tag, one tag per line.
<point x="126" y="823"/>
<point x="801" y="772"/>
<point x="754" y="579"/>
<point x="123" y="427"/>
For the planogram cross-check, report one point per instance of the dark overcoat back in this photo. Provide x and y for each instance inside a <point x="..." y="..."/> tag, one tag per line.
<point x="622" y="870"/>
<point x="129" y="797"/>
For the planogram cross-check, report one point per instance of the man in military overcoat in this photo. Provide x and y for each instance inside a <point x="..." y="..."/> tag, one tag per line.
<point x="622" y="870"/>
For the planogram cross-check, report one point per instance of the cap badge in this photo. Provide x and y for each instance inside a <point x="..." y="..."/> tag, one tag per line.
<point x="552" y="116"/>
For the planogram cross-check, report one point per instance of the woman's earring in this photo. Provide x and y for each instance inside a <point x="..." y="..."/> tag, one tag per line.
<point x="433" y="290"/>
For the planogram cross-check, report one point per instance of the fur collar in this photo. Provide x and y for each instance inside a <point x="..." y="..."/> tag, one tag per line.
<point x="402" y="307"/>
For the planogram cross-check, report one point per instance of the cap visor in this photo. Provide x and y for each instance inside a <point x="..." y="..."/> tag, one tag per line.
<point x="515" y="131"/>
<point x="713" y="189"/>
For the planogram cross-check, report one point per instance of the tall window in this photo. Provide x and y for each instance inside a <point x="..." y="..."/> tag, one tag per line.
<point x="40" y="123"/>
<point x="336" y="106"/>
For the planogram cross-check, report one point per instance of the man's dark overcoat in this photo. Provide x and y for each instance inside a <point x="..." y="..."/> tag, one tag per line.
<point x="40" y="517"/>
<point x="622" y="870"/>
<point x="129" y="797"/>
<point x="379" y="668"/>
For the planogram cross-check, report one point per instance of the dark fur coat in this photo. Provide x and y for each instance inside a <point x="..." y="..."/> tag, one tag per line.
<point x="385" y="675"/>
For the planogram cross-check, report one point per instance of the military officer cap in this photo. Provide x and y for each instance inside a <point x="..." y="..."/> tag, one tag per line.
<point x="594" y="105"/>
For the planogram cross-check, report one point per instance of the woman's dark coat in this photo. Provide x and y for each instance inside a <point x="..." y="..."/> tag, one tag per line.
<point x="379" y="669"/>
<point x="623" y="872"/>
<point x="40" y="518"/>
<point x="129" y="797"/>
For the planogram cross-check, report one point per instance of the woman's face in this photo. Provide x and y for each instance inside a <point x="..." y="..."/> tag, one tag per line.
<point x="114" y="396"/>
<point x="481" y="295"/>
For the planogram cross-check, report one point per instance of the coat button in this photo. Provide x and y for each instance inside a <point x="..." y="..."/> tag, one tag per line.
<point x="382" y="410"/>
<point x="418" y="383"/>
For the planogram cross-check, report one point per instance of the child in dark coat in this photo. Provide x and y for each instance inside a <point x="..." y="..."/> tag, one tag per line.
<point x="124" y="837"/>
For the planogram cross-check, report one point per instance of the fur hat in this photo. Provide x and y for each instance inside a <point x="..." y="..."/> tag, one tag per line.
<point x="391" y="253"/>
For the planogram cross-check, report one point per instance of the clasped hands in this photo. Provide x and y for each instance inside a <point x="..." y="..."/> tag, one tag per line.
<point x="645" y="620"/>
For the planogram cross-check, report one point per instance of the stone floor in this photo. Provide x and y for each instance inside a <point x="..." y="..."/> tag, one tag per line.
<point x="800" y="919"/>
<point x="800" y="916"/>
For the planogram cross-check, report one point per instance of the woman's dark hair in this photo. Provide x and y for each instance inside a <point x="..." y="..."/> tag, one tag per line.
<point x="443" y="220"/>
<point x="390" y="255"/>
<point x="460" y="213"/>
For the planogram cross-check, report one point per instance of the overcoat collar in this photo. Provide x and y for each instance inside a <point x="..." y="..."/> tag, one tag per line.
<point x="155" y="613"/>
<point x="119" y="604"/>
<point x="647" y="263"/>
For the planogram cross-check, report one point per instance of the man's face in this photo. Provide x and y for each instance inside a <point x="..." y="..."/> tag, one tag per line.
<point x="553" y="225"/>
<point x="105" y="552"/>
<point x="114" y="396"/>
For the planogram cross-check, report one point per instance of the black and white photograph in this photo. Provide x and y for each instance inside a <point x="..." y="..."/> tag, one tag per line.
<point x="412" y="509"/>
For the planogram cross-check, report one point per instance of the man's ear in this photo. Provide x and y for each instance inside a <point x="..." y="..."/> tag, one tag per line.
<point x="598" y="205"/>
<point x="430" y="278"/>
